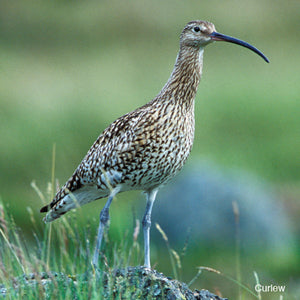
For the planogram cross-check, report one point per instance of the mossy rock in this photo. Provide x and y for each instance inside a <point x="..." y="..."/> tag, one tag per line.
<point x="129" y="283"/>
<point x="143" y="283"/>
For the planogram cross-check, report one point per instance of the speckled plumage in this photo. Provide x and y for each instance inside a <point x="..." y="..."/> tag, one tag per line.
<point x="142" y="149"/>
<point x="145" y="148"/>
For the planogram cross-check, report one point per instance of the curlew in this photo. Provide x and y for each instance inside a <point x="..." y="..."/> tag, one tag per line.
<point x="145" y="148"/>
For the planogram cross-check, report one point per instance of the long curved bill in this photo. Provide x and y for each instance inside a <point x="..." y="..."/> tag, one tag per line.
<point x="215" y="36"/>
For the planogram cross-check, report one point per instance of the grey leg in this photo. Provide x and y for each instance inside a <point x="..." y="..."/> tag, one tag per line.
<point x="104" y="218"/>
<point x="147" y="224"/>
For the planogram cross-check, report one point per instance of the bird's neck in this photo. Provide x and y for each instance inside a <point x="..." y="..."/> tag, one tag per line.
<point x="182" y="85"/>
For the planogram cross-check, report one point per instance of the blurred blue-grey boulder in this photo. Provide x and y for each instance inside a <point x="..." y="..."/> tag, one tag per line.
<point x="198" y="205"/>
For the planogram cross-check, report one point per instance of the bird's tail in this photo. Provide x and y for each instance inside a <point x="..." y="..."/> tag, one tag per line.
<point x="70" y="200"/>
<point x="60" y="208"/>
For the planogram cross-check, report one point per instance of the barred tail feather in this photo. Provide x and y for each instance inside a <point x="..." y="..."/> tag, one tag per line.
<point x="64" y="205"/>
<point x="70" y="201"/>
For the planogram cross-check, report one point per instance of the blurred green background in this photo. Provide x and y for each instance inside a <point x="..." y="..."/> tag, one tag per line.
<point x="70" y="68"/>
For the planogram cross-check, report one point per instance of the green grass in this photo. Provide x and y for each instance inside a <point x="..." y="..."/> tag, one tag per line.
<point x="63" y="253"/>
<point x="59" y="259"/>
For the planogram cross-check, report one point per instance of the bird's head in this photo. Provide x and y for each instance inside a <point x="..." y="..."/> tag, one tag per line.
<point x="198" y="34"/>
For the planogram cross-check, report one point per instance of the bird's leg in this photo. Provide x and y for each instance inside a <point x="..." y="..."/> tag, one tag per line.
<point x="147" y="224"/>
<point x="104" y="218"/>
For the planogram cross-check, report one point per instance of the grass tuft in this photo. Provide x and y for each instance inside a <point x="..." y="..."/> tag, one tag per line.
<point x="57" y="263"/>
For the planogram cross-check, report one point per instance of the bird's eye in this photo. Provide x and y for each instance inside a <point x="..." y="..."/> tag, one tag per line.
<point x="196" y="29"/>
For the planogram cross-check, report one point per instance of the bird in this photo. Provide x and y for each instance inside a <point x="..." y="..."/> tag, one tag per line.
<point x="145" y="148"/>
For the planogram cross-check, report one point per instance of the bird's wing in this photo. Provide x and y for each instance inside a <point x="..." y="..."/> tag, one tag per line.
<point x="111" y="157"/>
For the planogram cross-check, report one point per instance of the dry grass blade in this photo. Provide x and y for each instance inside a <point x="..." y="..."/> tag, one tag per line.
<point x="229" y="278"/>
<point x="12" y="250"/>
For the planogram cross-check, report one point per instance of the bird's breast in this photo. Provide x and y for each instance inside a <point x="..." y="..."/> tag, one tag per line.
<point x="162" y="148"/>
